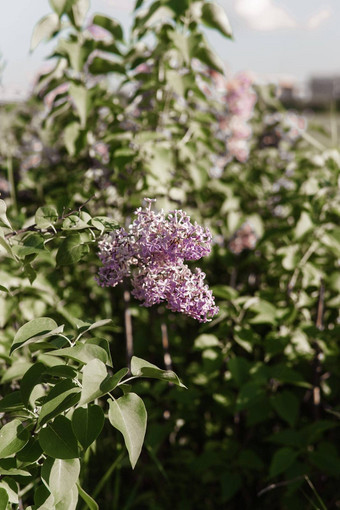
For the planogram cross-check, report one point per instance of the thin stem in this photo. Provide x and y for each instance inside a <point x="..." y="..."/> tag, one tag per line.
<point x="279" y="484"/>
<point x="127" y="380"/>
<point x="23" y="491"/>
<point x="128" y="329"/>
<point x="12" y="182"/>
<point x="317" y="368"/>
<point x="107" y="475"/>
<point x="69" y="341"/>
<point x="321" y="305"/>
<point x="323" y="506"/>
<point x="34" y="228"/>
<point x="304" y="259"/>
<point x="313" y="141"/>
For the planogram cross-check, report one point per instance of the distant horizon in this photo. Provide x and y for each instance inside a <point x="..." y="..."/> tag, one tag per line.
<point x="274" y="40"/>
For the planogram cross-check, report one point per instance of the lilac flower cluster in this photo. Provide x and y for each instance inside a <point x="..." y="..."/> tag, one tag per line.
<point x="152" y="252"/>
<point x="245" y="238"/>
<point x="240" y="99"/>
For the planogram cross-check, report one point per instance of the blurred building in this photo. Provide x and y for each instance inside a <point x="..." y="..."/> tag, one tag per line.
<point x="324" y="89"/>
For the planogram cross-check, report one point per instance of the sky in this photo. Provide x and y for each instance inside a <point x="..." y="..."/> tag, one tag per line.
<point x="289" y="39"/>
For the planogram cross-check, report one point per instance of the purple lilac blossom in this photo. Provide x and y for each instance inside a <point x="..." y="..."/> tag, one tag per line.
<point x="152" y="252"/>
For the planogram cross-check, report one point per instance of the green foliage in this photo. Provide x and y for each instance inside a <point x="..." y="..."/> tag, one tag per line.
<point x="110" y="123"/>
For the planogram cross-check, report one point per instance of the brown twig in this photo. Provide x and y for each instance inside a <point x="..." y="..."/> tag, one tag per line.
<point x="279" y="484"/>
<point x="165" y="344"/>
<point x="128" y="329"/>
<point x="321" y="305"/>
<point x="317" y="369"/>
<point x="233" y="278"/>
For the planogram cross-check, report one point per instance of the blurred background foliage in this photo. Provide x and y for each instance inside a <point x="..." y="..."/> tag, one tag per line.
<point x="120" y="117"/>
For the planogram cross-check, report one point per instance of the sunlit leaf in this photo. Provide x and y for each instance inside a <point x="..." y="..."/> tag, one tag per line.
<point x="13" y="437"/>
<point x="128" y="415"/>
<point x="44" y="29"/>
<point x="142" y="368"/>
<point x="61" y="476"/>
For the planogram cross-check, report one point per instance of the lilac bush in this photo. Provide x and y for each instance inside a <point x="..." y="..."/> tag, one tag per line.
<point x="152" y="253"/>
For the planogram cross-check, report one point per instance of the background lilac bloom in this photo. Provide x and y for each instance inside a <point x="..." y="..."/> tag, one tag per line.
<point x="152" y="252"/>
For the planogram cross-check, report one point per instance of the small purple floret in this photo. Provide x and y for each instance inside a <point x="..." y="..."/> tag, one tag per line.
<point x="152" y="252"/>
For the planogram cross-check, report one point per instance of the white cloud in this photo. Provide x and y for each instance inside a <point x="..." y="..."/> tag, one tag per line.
<point x="264" y="15"/>
<point x="318" y="18"/>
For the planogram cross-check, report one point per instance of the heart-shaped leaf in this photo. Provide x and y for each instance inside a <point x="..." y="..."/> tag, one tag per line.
<point x="87" y="424"/>
<point x="128" y="415"/>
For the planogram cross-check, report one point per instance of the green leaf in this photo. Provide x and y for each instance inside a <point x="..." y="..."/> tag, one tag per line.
<point x="82" y="100"/>
<point x="79" y="11"/>
<point x="110" y="24"/>
<point x="230" y="485"/>
<point x="286" y="404"/>
<point x="62" y="396"/>
<point x="206" y="341"/>
<point x="94" y="373"/>
<point x="239" y="368"/>
<point x="224" y="292"/>
<point x="58" y="440"/>
<point x="61" y="371"/>
<point x="82" y="352"/>
<point x="43" y="499"/>
<point x="61" y="6"/>
<point x="11" y="489"/>
<point x="84" y="327"/>
<point x="92" y="505"/>
<point x="14" y="472"/>
<point x="13" y="437"/>
<point x="96" y="381"/>
<point x="71" y="250"/>
<point x="101" y="65"/>
<point x="138" y="4"/>
<point x="11" y="402"/>
<point x="326" y="459"/>
<point x="283" y="373"/>
<point x="303" y="225"/>
<point x="76" y="221"/>
<point x="87" y="424"/>
<point x="103" y="223"/>
<point x="31" y="451"/>
<point x="214" y="16"/>
<point x="3" y="216"/>
<point x="69" y="502"/>
<point x="61" y="476"/>
<point x="35" y="330"/>
<point x="281" y="461"/>
<point x="33" y="244"/>
<point x="7" y="247"/>
<point x="205" y="54"/>
<point x="250" y="395"/>
<point x="15" y="371"/>
<point x="71" y="134"/>
<point x="3" y="498"/>
<point x="128" y="415"/>
<point x="142" y="368"/>
<point x="266" y="312"/>
<point x="30" y="379"/>
<point x="248" y="459"/>
<point x="46" y="216"/>
<point x="44" y="29"/>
